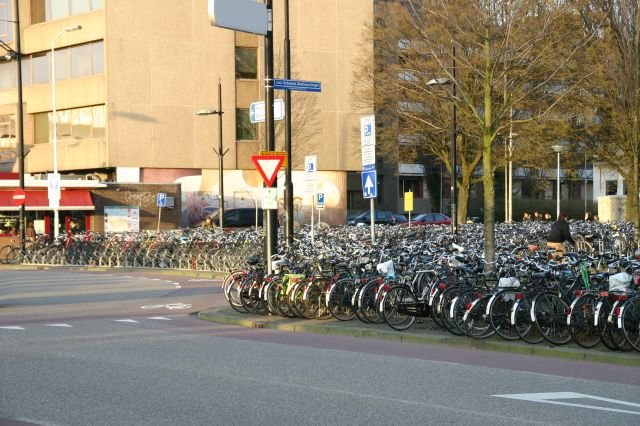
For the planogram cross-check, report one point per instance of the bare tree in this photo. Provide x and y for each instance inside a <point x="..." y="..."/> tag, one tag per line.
<point x="513" y="66"/>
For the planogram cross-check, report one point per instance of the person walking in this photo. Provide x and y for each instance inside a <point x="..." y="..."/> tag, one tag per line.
<point x="559" y="233"/>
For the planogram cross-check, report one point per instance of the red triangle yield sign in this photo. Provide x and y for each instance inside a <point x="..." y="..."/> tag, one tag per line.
<point x="268" y="166"/>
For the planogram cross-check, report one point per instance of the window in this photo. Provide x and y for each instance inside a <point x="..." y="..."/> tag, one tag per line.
<point x="62" y="64"/>
<point x="40" y="68"/>
<point x="612" y="187"/>
<point x="81" y="61"/>
<point x="48" y="10"/>
<point x="75" y="124"/>
<point x="245" y="129"/>
<point x="7" y="132"/>
<point x="97" y="57"/>
<point x="6" y="16"/>
<point x="246" y="62"/>
<point x="410" y="185"/>
<point x="7" y="75"/>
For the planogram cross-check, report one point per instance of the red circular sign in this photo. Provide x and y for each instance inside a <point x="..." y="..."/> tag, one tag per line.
<point x="19" y="196"/>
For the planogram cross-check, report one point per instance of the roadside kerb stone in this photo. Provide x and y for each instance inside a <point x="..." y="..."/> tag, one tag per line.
<point x="338" y="328"/>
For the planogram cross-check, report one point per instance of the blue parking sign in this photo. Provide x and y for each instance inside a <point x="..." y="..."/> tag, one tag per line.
<point x="161" y="199"/>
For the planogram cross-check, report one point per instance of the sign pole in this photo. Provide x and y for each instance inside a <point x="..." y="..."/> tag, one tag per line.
<point x="270" y="229"/>
<point x="159" y="215"/>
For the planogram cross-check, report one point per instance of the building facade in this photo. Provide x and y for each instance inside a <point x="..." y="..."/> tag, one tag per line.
<point x="129" y="82"/>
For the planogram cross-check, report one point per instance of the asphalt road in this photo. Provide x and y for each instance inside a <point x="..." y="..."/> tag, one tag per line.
<point x="81" y="348"/>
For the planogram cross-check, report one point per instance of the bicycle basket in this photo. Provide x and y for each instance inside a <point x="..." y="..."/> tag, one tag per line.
<point x="509" y="282"/>
<point x="620" y="282"/>
<point x="386" y="269"/>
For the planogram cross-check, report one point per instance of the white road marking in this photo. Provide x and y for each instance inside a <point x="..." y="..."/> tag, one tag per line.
<point x="58" y="325"/>
<point x="553" y="397"/>
<point x="160" y="318"/>
<point x="193" y="280"/>
<point x="126" y="320"/>
<point x="12" y="327"/>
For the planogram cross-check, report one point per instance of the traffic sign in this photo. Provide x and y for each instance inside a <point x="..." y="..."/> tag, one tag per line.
<point x="299" y="85"/>
<point x="19" y="197"/>
<point x="320" y="201"/>
<point x="369" y="184"/>
<point x="310" y="173"/>
<point x="161" y="199"/>
<point x="408" y="201"/>
<point x="368" y="142"/>
<point x="275" y="154"/>
<point x="268" y="166"/>
<point x="256" y="111"/>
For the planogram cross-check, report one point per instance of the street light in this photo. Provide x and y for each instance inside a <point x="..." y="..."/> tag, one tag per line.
<point x="454" y="125"/>
<point x="18" y="55"/>
<point x="56" y="218"/>
<point x="219" y="153"/>
<point x="558" y="148"/>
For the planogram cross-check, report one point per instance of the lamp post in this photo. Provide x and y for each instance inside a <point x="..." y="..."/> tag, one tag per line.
<point x="18" y="55"/>
<point x="219" y="152"/>
<point x="558" y="148"/>
<point x="56" y="218"/>
<point x="454" y="126"/>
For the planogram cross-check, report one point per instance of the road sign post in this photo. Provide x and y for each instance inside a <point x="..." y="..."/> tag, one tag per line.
<point x="369" y="174"/>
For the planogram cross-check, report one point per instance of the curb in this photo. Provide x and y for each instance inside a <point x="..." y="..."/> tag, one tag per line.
<point x="296" y="326"/>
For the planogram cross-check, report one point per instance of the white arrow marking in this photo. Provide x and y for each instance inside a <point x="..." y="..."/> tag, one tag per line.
<point x="12" y="327"/>
<point x="126" y="320"/>
<point x="368" y="184"/>
<point x="58" y="325"/>
<point x="160" y="318"/>
<point x="550" y="397"/>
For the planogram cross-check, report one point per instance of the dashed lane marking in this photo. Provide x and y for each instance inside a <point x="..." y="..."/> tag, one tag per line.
<point x="126" y="320"/>
<point x="59" y="325"/>
<point x="160" y="318"/>
<point x="12" y="327"/>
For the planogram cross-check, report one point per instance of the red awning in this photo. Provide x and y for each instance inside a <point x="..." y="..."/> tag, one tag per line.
<point x="71" y="199"/>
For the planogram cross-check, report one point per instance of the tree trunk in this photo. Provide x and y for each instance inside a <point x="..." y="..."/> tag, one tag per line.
<point x="489" y="201"/>
<point x="464" y="188"/>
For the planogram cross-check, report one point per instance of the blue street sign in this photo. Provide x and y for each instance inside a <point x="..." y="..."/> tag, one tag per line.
<point x="299" y="85"/>
<point x="161" y="199"/>
<point x="370" y="184"/>
<point x="320" y="199"/>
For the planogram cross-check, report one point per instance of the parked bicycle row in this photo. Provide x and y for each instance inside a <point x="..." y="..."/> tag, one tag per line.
<point x="585" y="298"/>
<point x="222" y="251"/>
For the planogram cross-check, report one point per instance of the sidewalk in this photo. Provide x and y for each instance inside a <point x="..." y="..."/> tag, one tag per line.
<point x="424" y="333"/>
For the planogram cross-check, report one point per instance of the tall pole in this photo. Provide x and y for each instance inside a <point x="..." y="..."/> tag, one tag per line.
<point x="56" y="216"/>
<point x="453" y="146"/>
<point x="270" y="228"/>
<point x="21" y="225"/>
<point x="288" y="184"/>
<point x="220" y="154"/>
<point x="558" y="188"/>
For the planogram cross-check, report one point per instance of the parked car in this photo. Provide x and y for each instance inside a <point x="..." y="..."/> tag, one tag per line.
<point x="430" y="219"/>
<point x="384" y="217"/>
<point x="400" y="218"/>
<point x="236" y="218"/>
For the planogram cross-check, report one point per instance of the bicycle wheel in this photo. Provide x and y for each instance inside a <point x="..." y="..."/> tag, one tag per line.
<point x="234" y="295"/>
<point x="368" y="305"/>
<point x="459" y="307"/>
<point x="14" y="256"/>
<point x="500" y="314"/>
<point x="521" y="320"/>
<point x="339" y="299"/>
<point x="581" y="321"/>
<point x="616" y="333"/>
<point x="446" y="309"/>
<point x="603" y="308"/>
<point x="631" y="322"/>
<point x="393" y="308"/>
<point x="550" y="313"/>
<point x="476" y="320"/>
